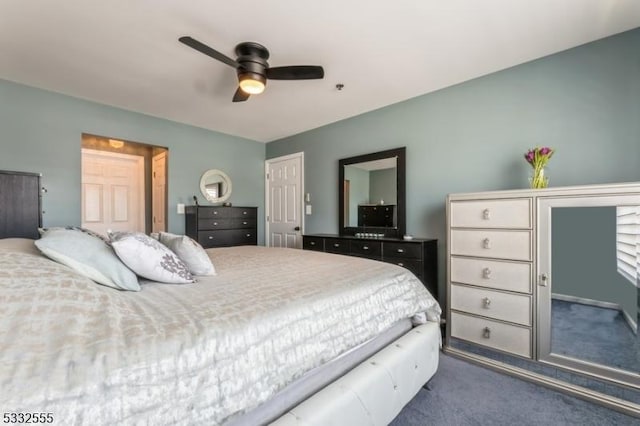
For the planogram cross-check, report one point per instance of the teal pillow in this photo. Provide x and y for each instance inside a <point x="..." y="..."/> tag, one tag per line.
<point x="89" y="256"/>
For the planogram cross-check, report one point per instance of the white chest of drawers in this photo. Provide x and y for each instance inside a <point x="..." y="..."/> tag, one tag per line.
<point x="489" y="286"/>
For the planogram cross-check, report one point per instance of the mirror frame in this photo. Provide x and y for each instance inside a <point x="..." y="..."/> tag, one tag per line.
<point x="400" y="154"/>
<point x="203" y="189"/>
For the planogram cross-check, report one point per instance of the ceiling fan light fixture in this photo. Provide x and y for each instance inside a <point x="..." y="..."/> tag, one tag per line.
<point x="252" y="83"/>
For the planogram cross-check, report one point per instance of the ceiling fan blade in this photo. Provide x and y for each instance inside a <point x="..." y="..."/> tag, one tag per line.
<point x="295" y="72"/>
<point x="203" y="48"/>
<point x="240" y="95"/>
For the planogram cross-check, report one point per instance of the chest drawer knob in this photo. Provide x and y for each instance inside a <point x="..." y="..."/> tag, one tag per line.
<point x="244" y="212"/>
<point x="487" y="302"/>
<point x="210" y="237"/>
<point x="400" y="264"/>
<point x="365" y="248"/>
<point x="486" y="243"/>
<point x="486" y="214"/>
<point x="312" y="243"/>
<point x="400" y="250"/>
<point x="486" y="273"/>
<point x="336" y="244"/>
<point x="215" y="212"/>
<point x="244" y="223"/>
<point x="248" y="235"/>
<point x="215" y="223"/>
<point x="486" y="333"/>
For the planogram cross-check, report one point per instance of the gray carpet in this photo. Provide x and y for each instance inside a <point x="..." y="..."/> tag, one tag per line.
<point x="594" y="334"/>
<point x="465" y="394"/>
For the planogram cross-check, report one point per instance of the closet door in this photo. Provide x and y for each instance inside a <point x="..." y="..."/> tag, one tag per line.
<point x="20" y="208"/>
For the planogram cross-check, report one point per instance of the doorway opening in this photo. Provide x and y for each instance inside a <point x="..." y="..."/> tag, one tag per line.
<point x="284" y="202"/>
<point x="124" y="185"/>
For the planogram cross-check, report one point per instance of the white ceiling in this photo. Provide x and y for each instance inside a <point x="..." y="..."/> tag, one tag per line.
<point x="126" y="53"/>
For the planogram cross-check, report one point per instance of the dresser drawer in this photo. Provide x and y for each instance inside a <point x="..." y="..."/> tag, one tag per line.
<point x="215" y="223"/>
<point x="214" y="212"/>
<point x="372" y="249"/>
<point x="243" y="212"/>
<point x="227" y="237"/>
<point x="502" y="275"/>
<point x="510" y="307"/>
<point x="514" y="245"/>
<point x="414" y="265"/>
<point x="505" y="337"/>
<point x="513" y="213"/>
<point x="403" y="250"/>
<point x="313" y="243"/>
<point x="336" y="245"/>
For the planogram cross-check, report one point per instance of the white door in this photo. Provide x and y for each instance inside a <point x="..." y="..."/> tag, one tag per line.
<point x="112" y="191"/>
<point x="284" y="201"/>
<point x="159" y="191"/>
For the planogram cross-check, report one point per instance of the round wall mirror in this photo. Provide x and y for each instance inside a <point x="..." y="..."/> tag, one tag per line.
<point x="215" y="185"/>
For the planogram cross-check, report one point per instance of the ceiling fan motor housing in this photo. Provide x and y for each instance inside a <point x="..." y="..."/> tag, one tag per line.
<point x="252" y="58"/>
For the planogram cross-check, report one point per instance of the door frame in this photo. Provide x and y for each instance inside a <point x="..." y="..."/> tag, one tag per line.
<point x="141" y="178"/>
<point x="267" y="191"/>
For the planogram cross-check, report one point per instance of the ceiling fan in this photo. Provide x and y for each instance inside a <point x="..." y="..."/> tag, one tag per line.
<point x="253" y="69"/>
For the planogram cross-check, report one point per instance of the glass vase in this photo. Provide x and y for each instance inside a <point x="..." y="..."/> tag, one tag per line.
<point x="538" y="179"/>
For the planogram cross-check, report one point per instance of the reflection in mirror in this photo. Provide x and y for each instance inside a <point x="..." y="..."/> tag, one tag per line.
<point x="594" y="294"/>
<point x="215" y="185"/>
<point x="372" y="193"/>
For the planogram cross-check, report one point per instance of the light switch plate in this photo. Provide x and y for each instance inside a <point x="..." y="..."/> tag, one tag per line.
<point x="307" y="209"/>
<point x="180" y="208"/>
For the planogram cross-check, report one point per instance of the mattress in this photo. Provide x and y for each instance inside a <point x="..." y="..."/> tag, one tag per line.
<point x="201" y="353"/>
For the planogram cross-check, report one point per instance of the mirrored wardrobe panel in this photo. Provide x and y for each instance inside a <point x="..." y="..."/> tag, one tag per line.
<point x="588" y="303"/>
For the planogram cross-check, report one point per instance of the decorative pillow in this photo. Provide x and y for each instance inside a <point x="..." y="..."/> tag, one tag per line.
<point x="149" y="258"/>
<point x="87" y="255"/>
<point x="76" y="228"/>
<point x="190" y="252"/>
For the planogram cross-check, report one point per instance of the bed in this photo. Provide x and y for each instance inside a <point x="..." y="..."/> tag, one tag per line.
<point x="278" y="335"/>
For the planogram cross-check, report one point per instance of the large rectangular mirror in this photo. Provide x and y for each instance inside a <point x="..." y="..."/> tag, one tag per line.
<point x="372" y="194"/>
<point x="588" y="307"/>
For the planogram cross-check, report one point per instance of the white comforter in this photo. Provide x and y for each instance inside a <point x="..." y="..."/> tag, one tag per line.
<point x="186" y="354"/>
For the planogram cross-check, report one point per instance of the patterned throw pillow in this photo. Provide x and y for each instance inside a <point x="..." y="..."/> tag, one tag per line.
<point x="149" y="258"/>
<point x="76" y="228"/>
<point x="190" y="252"/>
<point x="87" y="255"/>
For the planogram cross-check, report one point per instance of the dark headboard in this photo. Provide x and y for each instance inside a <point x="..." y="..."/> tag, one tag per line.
<point x="20" y="204"/>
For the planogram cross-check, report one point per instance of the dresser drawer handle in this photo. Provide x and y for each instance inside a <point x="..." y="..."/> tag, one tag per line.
<point x="336" y="244"/>
<point x="210" y="237"/>
<point x="244" y="223"/>
<point x="400" y="264"/>
<point x="244" y="212"/>
<point x="215" y="212"/>
<point x="486" y="273"/>
<point x="486" y="243"/>
<point x="215" y="223"/>
<point x="486" y="333"/>
<point x="248" y="235"/>
<point x="312" y="243"/>
<point x="400" y="250"/>
<point x="486" y="214"/>
<point x="365" y="248"/>
<point x="487" y="302"/>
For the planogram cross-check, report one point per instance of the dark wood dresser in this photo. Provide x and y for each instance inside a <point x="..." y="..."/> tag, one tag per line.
<point x="214" y="226"/>
<point x="20" y="205"/>
<point x="418" y="255"/>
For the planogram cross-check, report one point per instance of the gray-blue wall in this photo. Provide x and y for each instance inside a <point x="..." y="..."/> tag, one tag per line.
<point x="40" y="131"/>
<point x="584" y="102"/>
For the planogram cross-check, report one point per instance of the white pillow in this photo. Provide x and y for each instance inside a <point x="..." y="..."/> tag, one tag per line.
<point x="149" y="258"/>
<point x="190" y="252"/>
<point x="87" y="255"/>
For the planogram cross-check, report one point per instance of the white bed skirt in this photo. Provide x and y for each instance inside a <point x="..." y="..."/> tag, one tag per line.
<point x="374" y="392"/>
